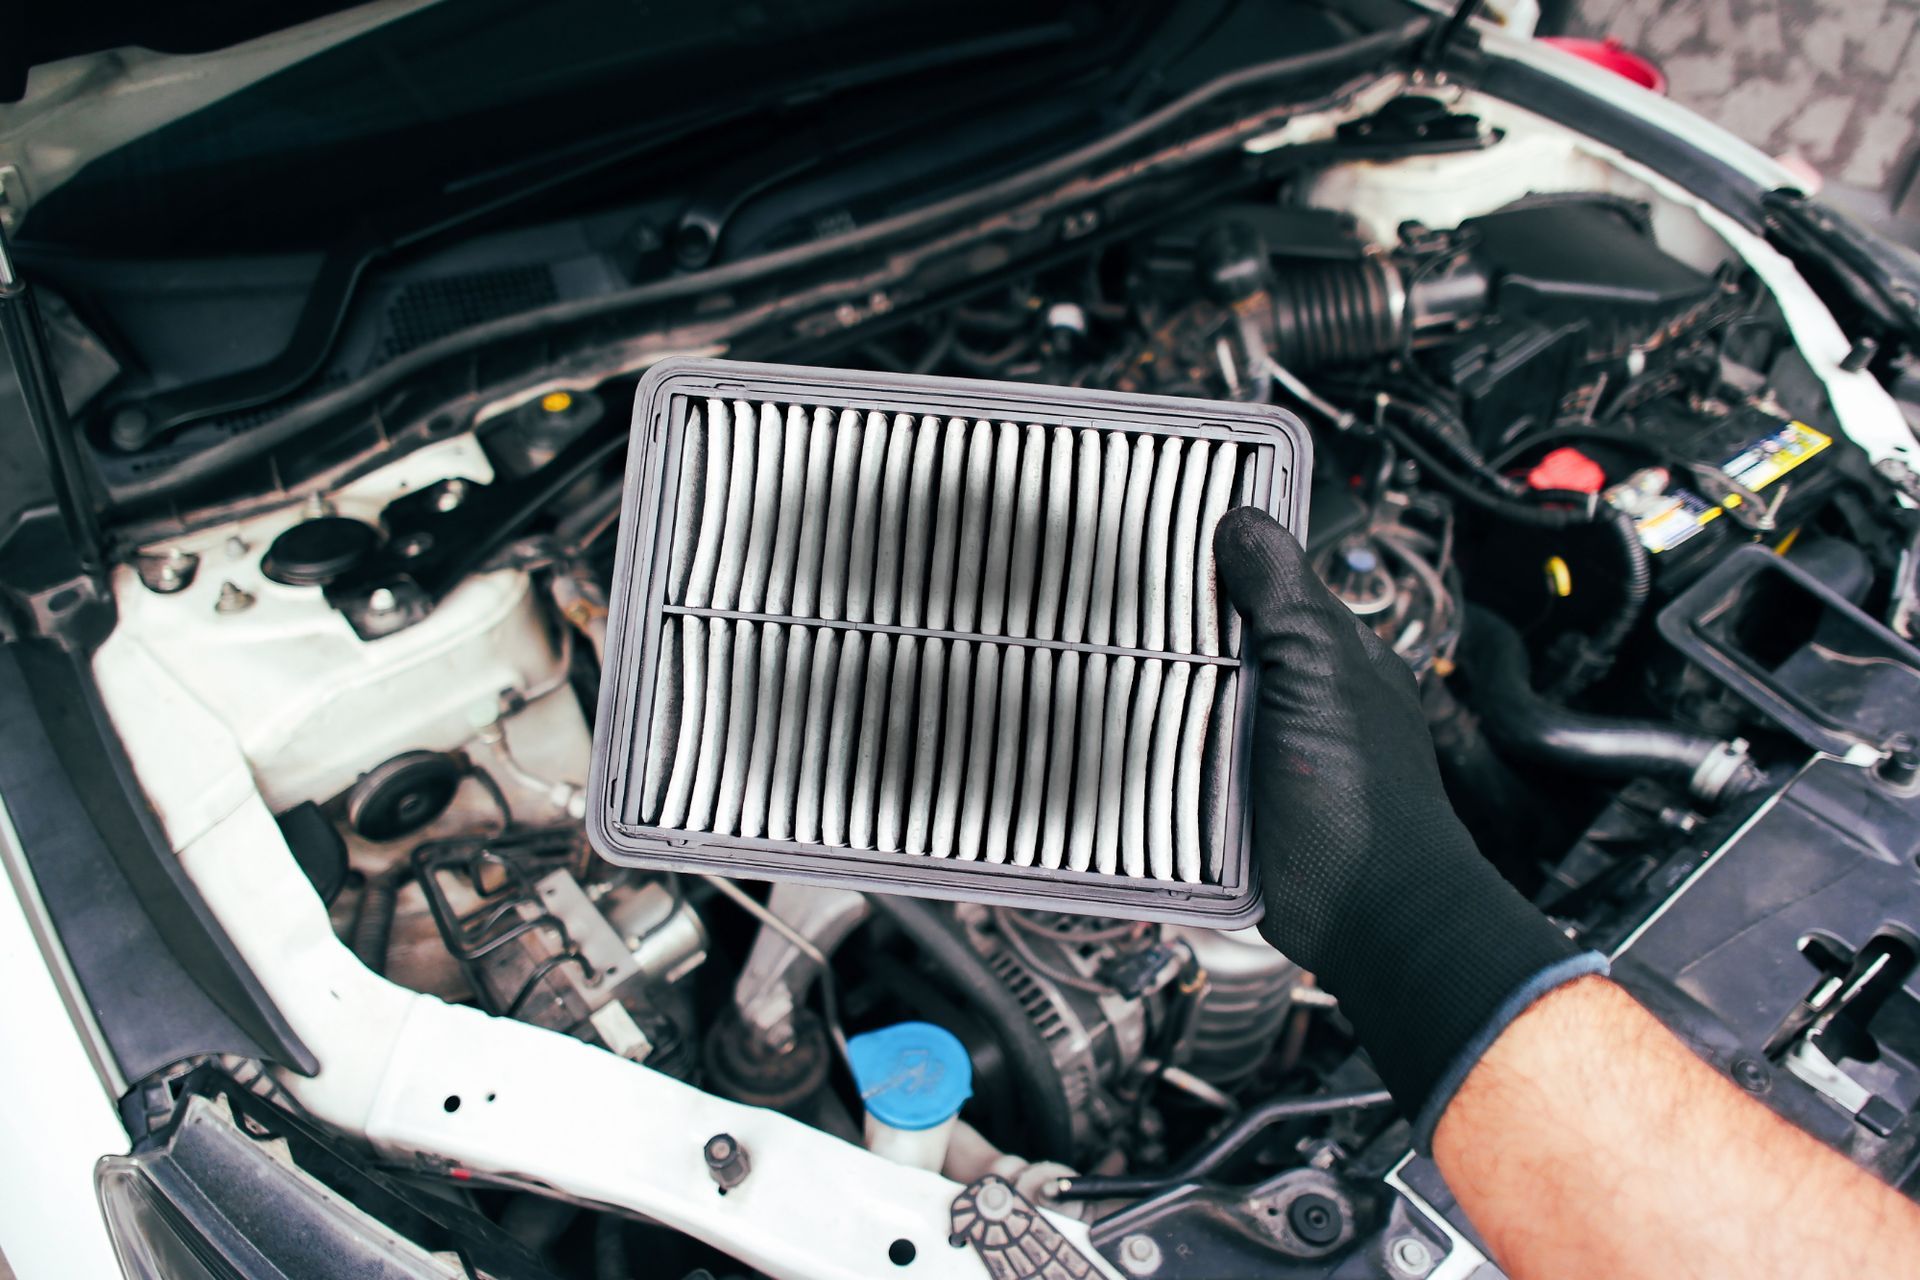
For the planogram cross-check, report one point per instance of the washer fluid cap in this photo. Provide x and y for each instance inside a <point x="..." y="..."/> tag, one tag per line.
<point x="912" y="1075"/>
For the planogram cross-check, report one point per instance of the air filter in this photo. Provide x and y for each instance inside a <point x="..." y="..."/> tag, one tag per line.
<point x="936" y="637"/>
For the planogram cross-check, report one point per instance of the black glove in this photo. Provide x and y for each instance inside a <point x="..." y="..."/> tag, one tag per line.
<point x="1369" y="879"/>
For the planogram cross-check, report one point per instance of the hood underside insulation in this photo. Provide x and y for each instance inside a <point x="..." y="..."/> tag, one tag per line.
<point x="935" y="637"/>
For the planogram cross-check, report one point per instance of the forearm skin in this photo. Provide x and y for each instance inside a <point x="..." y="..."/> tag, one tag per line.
<point x="1589" y="1142"/>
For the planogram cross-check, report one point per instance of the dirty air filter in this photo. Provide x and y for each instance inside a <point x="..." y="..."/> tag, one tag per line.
<point x="936" y="637"/>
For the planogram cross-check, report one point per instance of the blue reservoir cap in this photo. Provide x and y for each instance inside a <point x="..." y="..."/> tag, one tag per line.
<point x="912" y="1075"/>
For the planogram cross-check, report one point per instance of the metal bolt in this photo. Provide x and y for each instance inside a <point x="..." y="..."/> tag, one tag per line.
<point x="1140" y="1255"/>
<point x="168" y="571"/>
<point x="233" y="599"/>
<point x="451" y="495"/>
<point x="1902" y="763"/>
<point x="726" y="1161"/>
<point x="1411" y="1256"/>
<point x="1750" y="1074"/>
<point x="128" y="428"/>
<point x="995" y="1201"/>
<point x="382" y="600"/>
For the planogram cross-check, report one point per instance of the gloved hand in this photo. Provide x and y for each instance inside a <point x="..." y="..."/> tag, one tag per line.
<point x="1369" y="879"/>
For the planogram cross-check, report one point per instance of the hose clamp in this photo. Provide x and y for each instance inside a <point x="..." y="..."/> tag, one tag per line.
<point x="1722" y="765"/>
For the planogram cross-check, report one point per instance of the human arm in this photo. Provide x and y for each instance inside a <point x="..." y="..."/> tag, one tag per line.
<point x="1580" y="1137"/>
<point x="1590" y="1142"/>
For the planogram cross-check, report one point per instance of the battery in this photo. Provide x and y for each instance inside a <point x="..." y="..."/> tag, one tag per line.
<point x="1686" y="524"/>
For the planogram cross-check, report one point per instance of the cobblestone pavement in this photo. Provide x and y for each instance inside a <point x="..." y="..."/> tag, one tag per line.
<point x="1835" y="81"/>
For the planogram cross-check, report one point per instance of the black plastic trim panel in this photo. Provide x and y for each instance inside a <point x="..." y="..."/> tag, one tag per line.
<point x="163" y="980"/>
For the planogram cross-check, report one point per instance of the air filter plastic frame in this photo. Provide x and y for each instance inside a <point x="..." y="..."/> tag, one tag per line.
<point x="968" y="509"/>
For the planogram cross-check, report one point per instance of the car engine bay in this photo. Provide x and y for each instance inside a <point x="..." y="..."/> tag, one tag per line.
<point x="1580" y="460"/>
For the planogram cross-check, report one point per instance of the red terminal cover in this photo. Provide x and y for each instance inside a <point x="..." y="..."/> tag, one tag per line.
<point x="1567" y="470"/>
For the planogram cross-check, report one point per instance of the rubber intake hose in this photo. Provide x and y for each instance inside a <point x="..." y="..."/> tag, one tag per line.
<point x="1046" y="1095"/>
<point x="1337" y="312"/>
<point x="1636" y="582"/>
<point x="1520" y="719"/>
<point x="373" y="916"/>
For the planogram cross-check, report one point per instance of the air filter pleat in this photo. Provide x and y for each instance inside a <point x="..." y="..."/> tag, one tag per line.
<point x="790" y="746"/>
<point x="1183" y="548"/>
<point x="1140" y="782"/>
<point x="668" y="711"/>
<point x="693" y="688"/>
<point x="1035" y="750"/>
<point x="890" y="821"/>
<point x="713" y="505"/>
<point x="713" y="726"/>
<point x="941" y="841"/>
<point x="868" y="757"/>
<point x="813" y="754"/>
<point x="975" y="508"/>
<point x="981" y="744"/>
<point x="813" y="517"/>
<point x="841" y="739"/>
<point x="1086" y="772"/>
<point x="695" y="472"/>
<point x="738" y="528"/>
<point x="742" y="703"/>
<point x="833" y="729"/>
<point x="841" y="491"/>
<point x="1213" y="506"/>
<point x="1163" y="767"/>
<point x="926" y="747"/>
<point x="1060" y="757"/>
<point x="769" y="692"/>
<point x="946" y="530"/>
<point x="1113" y="764"/>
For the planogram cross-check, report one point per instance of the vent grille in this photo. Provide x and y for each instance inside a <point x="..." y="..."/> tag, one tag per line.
<point x="427" y="310"/>
<point x="895" y="633"/>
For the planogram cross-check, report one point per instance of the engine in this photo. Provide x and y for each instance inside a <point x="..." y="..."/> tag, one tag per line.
<point x="1578" y="478"/>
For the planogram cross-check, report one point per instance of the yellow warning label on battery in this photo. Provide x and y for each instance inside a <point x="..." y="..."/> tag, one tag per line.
<point x="1767" y="459"/>
<point x="1668" y="518"/>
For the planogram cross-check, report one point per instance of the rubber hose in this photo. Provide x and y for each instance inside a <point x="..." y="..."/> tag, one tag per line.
<point x="1451" y="436"/>
<point x="1527" y="723"/>
<point x="610" y="1258"/>
<point x="537" y="1221"/>
<point x="1046" y="1094"/>
<point x="1459" y="486"/>
<point x="1636" y="582"/>
<point x="1334" y="313"/>
<point x="373" y="917"/>
<point x="1636" y="576"/>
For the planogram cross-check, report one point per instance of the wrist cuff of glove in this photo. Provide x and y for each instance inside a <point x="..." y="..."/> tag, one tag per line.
<point x="1427" y="1119"/>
